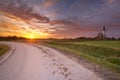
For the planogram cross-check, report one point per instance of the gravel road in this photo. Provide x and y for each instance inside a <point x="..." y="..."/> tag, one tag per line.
<point x="37" y="62"/>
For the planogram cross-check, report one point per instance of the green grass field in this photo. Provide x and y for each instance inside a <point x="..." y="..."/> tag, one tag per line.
<point x="3" y="49"/>
<point x="111" y="44"/>
<point x="103" y="53"/>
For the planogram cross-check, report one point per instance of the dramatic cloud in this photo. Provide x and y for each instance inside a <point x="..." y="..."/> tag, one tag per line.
<point x="21" y="9"/>
<point x="12" y="25"/>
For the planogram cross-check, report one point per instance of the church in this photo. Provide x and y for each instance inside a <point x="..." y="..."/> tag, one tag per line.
<point x="102" y="35"/>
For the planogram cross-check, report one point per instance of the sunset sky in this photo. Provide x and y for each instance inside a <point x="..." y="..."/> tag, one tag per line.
<point x="59" y="18"/>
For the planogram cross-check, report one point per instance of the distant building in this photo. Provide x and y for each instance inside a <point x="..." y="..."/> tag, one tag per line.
<point x="102" y="35"/>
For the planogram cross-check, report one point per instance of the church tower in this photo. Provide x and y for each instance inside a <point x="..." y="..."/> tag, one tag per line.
<point x="102" y="34"/>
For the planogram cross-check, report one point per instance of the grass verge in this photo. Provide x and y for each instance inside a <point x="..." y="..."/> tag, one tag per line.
<point x="104" y="56"/>
<point x="3" y="49"/>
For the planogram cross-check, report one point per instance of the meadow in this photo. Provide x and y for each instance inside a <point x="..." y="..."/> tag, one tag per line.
<point x="110" y="44"/>
<point x="103" y="53"/>
<point x="3" y="49"/>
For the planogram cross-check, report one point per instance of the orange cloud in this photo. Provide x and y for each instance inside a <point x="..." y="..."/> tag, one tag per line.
<point x="12" y="25"/>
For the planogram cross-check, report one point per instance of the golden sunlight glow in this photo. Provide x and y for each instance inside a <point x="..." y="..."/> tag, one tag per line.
<point x="31" y="36"/>
<point x="34" y="36"/>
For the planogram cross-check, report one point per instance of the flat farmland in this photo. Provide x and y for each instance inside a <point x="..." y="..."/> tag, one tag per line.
<point x="111" y="44"/>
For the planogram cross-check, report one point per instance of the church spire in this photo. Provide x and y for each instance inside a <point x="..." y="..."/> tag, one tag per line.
<point x="104" y="32"/>
<point x="104" y="29"/>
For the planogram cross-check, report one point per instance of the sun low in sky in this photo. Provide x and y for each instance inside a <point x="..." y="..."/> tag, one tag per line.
<point x="31" y="36"/>
<point x="35" y="36"/>
<point x="59" y="18"/>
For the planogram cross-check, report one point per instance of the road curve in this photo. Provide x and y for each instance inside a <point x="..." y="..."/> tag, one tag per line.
<point x="30" y="62"/>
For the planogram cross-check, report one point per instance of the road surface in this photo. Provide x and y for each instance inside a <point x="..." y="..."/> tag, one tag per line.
<point x="30" y="62"/>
